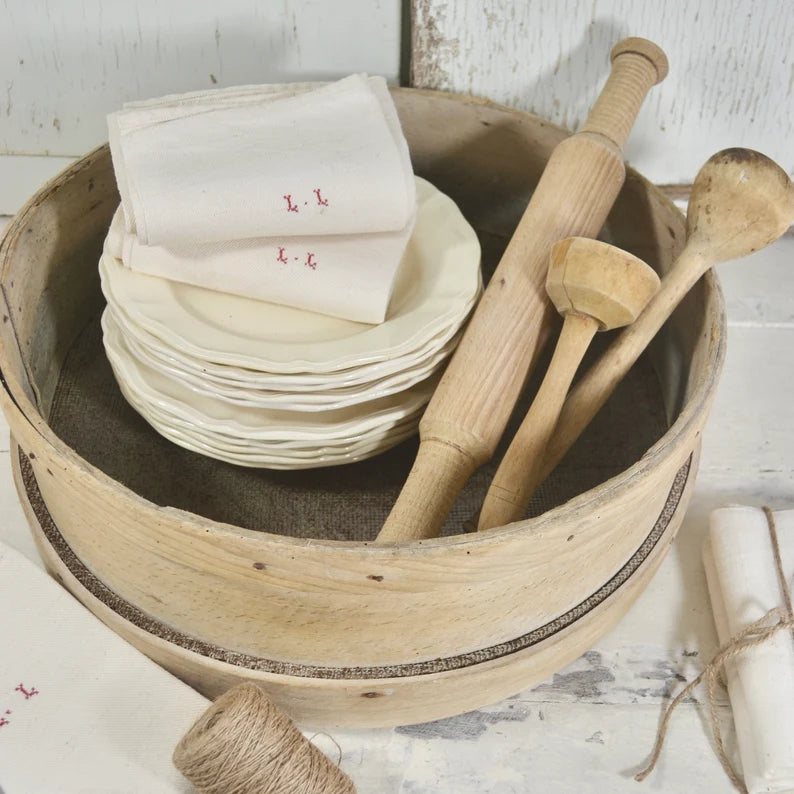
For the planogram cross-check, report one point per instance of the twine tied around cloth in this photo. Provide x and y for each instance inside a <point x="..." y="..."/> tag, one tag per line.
<point x="244" y="744"/>
<point x="752" y="636"/>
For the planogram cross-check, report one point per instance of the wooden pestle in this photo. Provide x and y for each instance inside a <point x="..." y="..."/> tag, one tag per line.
<point x="741" y="202"/>
<point x="471" y="405"/>
<point x="595" y="286"/>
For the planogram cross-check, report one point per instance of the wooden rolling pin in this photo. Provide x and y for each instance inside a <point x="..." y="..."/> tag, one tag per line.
<point x="741" y="202"/>
<point x="596" y="287"/>
<point x="472" y="404"/>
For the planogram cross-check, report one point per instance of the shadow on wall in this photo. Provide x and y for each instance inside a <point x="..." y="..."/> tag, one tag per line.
<point x="579" y="76"/>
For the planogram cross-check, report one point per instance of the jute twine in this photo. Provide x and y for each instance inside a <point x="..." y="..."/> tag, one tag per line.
<point x="243" y="744"/>
<point x="752" y="636"/>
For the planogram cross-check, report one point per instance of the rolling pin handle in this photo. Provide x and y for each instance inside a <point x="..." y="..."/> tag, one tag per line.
<point x="637" y="65"/>
<point x="426" y="502"/>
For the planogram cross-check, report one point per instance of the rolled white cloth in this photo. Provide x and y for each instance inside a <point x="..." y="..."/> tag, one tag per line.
<point x="744" y="586"/>
<point x="269" y="161"/>
<point x="80" y="709"/>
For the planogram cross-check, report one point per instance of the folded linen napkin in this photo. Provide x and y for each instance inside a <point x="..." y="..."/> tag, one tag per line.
<point x="297" y="194"/>
<point x="743" y="585"/>
<point x="262" y="162"/>
<point x="80" y="709"/>
<point x="348" y="276"/>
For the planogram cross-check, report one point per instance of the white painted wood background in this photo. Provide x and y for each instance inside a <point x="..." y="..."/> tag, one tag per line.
<point x="731" y="80"/>
<point x="64" y="65"/>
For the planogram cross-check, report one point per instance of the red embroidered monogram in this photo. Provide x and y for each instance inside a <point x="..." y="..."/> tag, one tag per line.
<point x="28" y="693"/>
<point x="284" y="258"/>
<point x="293" y="207"/>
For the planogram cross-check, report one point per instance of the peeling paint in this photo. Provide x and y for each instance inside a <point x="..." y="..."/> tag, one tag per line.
<point x="729" y="80"/>
<point x="430" y="47"/>
<point x="469" y="726"/>
<point x="585" y="683"/>
<point x="86" y="59"/>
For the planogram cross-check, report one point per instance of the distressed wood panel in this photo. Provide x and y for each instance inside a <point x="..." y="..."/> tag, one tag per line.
<point x="65" y="65"/>
<point x="731" y="80"/>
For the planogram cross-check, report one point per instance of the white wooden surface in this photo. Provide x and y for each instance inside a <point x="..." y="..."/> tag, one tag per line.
<point x="731" y="80"/>
<point x="65" y="65"/>
<point x="591" y="726"/>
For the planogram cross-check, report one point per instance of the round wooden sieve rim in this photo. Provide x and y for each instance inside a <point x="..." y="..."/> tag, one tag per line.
<point x="127" y="611"/>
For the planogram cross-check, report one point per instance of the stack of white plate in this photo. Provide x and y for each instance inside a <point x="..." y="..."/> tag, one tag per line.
<point x="259" y="384"/>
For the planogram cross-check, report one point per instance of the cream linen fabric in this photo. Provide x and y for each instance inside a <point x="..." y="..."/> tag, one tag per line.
<point x="744" y="586"/>
<point x="297" y="194"/>
<point x="348" y="276"/>
<point x="217" y="165"/>
<point x="80" y="709"/>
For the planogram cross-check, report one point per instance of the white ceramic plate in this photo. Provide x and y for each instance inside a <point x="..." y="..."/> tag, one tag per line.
<point x="289" y="447"/>
<point x="436" y="286"/>
<point x="272" y="462"/>
<point x="151" y="387"/>
<point x="296" y="447"/>
<point x="265" y="454"/>
<point x="305" y="401"/>
<point x="404" y="428"/>
<point x="230" y="377"/>
<point x="236" y="377"/>
<point x="266" y="450"/>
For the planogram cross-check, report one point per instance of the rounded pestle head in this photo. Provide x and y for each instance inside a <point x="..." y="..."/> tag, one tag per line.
<point x="597" y="279"/>
<point x="741" y="202"/>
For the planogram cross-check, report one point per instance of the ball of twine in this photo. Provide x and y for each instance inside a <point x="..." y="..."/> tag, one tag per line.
<point x="243" y="744"/>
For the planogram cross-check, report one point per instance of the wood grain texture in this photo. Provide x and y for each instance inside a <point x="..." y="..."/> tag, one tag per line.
<point x="65" y="66"/>
<point x="479" y="389"/>
<point x="517" y="476"/>
<point x="731" y="79"/>
<point x="595" y="286"/>
<point x="362" y="702"/>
